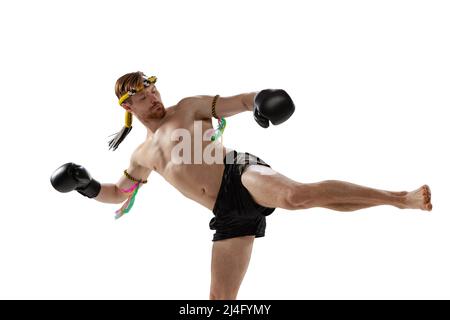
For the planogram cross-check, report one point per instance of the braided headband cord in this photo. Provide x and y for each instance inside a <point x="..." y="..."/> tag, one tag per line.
<point x="122" y="134"/>
<point x="147" y="81"/>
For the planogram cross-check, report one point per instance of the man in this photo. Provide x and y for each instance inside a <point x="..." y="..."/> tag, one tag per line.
<point x="239" y="188"/>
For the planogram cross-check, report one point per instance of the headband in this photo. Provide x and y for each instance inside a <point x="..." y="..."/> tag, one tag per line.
<point x="119" y="136"/>
<point x="147" y="81"/>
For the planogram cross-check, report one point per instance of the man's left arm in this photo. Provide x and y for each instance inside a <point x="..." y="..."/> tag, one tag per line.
<point x="269" y="106"/>
<point x="225" y="106"/>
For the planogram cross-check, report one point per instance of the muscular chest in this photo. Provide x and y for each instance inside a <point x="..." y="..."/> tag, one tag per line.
<point x="178" y="143"/>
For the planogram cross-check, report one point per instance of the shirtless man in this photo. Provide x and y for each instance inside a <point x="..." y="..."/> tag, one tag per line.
<point x="239" y="188"/>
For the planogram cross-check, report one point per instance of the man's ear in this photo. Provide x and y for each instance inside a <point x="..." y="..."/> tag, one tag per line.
<point x="126" y="106"/>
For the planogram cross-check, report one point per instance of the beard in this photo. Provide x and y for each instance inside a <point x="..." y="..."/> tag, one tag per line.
<point x="158" y="112"/>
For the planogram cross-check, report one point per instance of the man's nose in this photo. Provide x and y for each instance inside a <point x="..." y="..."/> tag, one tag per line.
<point x="152" y="96"/>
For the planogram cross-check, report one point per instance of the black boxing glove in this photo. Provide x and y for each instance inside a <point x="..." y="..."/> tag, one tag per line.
<point x="71" y="176"/>
<point x="273" y="105"/>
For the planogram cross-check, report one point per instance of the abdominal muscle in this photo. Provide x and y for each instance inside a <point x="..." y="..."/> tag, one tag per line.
<point x="199" y="182"/>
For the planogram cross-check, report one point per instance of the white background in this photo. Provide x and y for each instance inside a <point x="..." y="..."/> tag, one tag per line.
<point x="370" y="80"/>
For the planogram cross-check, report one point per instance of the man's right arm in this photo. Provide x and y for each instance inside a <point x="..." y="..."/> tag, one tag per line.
<point x="71" y="176"/>
<point x="111" y="193"/>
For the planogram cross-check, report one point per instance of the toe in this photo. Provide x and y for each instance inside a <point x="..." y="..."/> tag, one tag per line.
<point x="426" y="193"/>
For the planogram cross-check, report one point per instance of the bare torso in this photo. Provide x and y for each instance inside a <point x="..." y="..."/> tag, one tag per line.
<point x="197" y="181"/>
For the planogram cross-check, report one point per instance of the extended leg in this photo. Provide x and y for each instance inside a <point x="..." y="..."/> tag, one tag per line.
<point x="230" y="260"/>
<point x="272" y="189"/>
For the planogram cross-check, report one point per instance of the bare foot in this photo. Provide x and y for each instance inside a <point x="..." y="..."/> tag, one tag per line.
<point x="419" y="199"/>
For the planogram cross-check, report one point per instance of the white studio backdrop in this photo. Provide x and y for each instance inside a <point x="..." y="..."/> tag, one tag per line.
<point x="370" y="80"/>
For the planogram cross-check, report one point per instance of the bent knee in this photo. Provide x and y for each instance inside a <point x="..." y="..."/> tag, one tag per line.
<point x="297" y="197"/>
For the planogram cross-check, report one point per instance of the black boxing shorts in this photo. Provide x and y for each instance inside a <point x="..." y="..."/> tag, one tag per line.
<point x="236" y="214"/>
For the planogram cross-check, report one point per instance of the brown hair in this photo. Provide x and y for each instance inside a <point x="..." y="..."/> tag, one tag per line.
<point x="124" y="84"/>
<point x="127" y="82"/>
